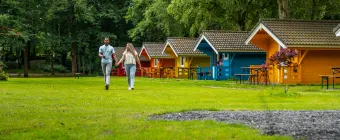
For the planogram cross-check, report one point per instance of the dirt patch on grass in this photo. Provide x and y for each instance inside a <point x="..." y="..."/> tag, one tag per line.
<point x="298" y="124"/>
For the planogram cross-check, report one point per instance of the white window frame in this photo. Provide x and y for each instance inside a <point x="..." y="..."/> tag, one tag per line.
<point x="155" y="62"/>
<point x="182" y="61"/>
<point x="225" y="56"/>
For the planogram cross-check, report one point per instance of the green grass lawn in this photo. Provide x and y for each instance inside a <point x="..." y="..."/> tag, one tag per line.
<point x="70" y="108"/>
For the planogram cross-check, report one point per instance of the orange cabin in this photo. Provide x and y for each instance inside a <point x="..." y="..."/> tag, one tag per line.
<point x="317" y="46"/>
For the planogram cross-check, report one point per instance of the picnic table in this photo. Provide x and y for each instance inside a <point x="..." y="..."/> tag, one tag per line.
<point x="250" y="70"/>
<point x="189" y="71"/>
<point x="202" y="74"/>
<point x="167" y="72"/>
<point x="335" y="74"/>
<point x="78" y="75"/>
<point x="154" y="72"/>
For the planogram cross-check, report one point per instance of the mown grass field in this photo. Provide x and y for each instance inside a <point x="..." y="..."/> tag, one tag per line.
<point x="70" y="108"/>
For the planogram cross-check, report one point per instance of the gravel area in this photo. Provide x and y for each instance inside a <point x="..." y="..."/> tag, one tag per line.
<point x="299" y="124"/>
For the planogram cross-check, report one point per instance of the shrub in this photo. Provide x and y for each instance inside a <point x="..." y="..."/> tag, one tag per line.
<point x="57" y="68"/>
<point x="3" y="76"/>
<point x="2" y="65"/>
<point x="12" y="65"/>
<point x="60" y="68"/>
<point x="37" y="63"/>
<point x="284" y="57"/>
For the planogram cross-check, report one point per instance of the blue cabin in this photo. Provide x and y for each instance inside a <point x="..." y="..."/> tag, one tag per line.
<point x="228" y="53"/>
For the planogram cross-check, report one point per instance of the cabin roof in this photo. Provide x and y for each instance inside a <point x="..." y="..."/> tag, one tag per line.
<point x="120" y="50"/>
<point x="299" y="32"/>
<point x="227" y="41"/>
<point x="183" y="45"/>
<point x="154" y="49"/>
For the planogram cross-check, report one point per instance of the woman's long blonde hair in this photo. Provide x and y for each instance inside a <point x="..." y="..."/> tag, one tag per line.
<point x="131" y="48"/>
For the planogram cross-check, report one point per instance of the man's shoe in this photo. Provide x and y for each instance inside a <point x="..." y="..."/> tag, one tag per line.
<point x="107" y="87"/>
<point x="129" y="88"/>
<point x="132" y="88"/>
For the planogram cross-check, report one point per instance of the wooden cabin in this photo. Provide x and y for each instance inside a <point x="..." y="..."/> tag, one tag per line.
<point x="228" y="53"/>
<point x="158" y="61"/>
<point x="145" y="62"/>
<point x="317" y="46"/>
<point x="185" y="58"/>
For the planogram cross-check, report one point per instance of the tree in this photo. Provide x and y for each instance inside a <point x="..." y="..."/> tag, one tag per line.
<point x="315" y="9"/>
<point x="199" y="15"/>
<point x="72" y="15"/>
<point x="152" y="21"/>
<point x="282" y="58"/>
<point x="245" y="14"/>
<point x="25" y="16"/>
<point x="283" y="8"/>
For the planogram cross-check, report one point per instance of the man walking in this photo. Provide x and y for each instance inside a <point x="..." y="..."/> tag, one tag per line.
<point x="107" y="53"/>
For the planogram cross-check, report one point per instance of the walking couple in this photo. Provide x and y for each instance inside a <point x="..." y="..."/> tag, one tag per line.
<point x="130" y="56"/>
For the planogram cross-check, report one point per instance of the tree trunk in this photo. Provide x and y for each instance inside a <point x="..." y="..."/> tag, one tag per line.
<point x="313" y="10"/>
<point x="26" y="59"/>
<point x="52" y="64"/>
<point x="33" y="55"/>
<point x="28" y="56"/>
<point x="283" y="9"/>
<point x="19" y="58"/>
<point x="63" y="59"/>
<point x="83" y="64"/>
<point x="1" y="53"/>
<point x="74" y="58"/>
<point x="90" y="68"/>
<point x="78" y="62"/>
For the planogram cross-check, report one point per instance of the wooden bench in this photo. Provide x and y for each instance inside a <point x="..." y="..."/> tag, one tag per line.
<point x="78" y="75"/>
<point x="150" y="74"/>
<point x="251" y="77"/>
<point x="202" y="74"/>
<point x="325" y="78"/>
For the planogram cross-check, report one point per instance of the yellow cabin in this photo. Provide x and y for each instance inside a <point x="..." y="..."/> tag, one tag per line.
<point x="317" y="46"/>
<point x="158" y="62"/>
<point x="185" y="58"/>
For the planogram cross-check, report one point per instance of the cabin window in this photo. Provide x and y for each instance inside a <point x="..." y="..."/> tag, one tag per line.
<point x="182" y="61"/>
<point x="225" y="56"/>
<point x="155" y="62"/>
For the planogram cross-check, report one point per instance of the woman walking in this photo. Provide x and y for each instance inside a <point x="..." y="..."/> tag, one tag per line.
<point x="131" y="57"/>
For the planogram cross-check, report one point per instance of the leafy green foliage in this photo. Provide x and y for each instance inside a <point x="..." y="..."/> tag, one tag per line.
<point x="154" y="23"/>
<point x="50" y="29"/>
<point x="57" y="68"/>
<point x="199" y="15"/>
<point x="3" y="76"/>
<point x="315" y="9"/>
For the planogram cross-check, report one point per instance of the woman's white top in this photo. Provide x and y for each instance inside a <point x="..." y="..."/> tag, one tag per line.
<point x="129" y="57"/>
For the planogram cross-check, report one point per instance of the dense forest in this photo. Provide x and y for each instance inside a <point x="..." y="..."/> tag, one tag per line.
<point x="64" y="35"/>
